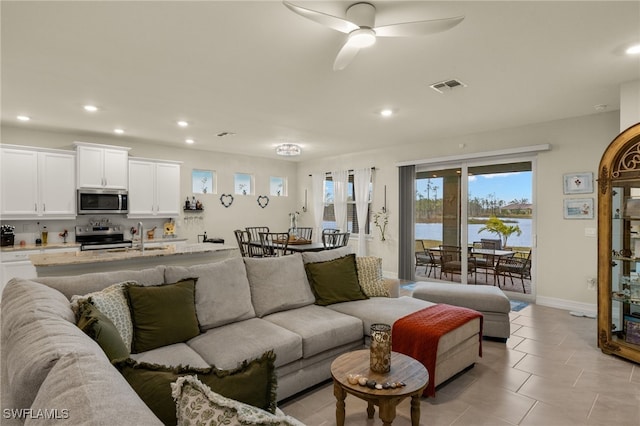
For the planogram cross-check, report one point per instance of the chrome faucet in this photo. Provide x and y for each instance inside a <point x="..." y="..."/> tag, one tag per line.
<point x="141" y="233"/>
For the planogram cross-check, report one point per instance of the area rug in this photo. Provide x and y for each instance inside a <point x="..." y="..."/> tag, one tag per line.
<point x="518" y="305"/>
<point x="408" y="286"/>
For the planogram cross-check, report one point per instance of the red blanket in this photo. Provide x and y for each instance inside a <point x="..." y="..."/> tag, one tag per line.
<point x="417" y="334"/>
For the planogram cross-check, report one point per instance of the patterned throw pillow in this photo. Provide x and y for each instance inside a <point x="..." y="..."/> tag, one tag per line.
<point x="112" y="302"/>
<point x="197" y="404"/>
<point x="370" y="276"/>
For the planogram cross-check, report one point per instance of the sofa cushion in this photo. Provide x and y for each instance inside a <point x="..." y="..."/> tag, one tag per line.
<point x="380" y="309"/>
<point x="87" y="390"/>
<point x="252" y="382"/>
<point x="370" y="276"/>
<point x="172" y="355"/>
<point x="325" y="255"/>
<point x="112" y="302"/>
<point x="96" y="281"/>
<point x="163" y="314"/>
<point x="197" y="404"/>
<point x="38" y="328"/>
<point x="278" y="283"/>
<point x="222" y="291"/>
<point x="335" y="280"/>
<point x="321" y="329"/>
<point x="100" y="328"/>
<point x="224" y="346"/>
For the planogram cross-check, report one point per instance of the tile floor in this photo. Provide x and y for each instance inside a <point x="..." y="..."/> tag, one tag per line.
<point x="549" y="373"/>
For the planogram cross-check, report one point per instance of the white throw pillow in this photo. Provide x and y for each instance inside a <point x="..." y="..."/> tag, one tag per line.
<point x="197" y="404"/>
<point x="370" y="276"/>
<point x="112" y="302"/>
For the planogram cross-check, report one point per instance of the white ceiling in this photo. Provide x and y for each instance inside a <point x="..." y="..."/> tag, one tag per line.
<point x="265" y="73"/>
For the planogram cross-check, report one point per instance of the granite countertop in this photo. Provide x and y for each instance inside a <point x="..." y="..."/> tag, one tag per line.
<point x="49" y="246"/>
<point x="112" y="255"/>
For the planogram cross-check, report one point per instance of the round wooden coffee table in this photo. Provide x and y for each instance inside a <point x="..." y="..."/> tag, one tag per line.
<point x="403" y="369"/>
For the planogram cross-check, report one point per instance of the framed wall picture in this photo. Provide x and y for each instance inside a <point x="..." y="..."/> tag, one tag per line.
<point x="578" y="208"/>
<point x="578" y="183"/>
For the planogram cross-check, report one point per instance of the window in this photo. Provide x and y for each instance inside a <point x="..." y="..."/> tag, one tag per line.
<point x="203" y="181"/>
<point x="277" y="186"/>
<point x="329" y="220"/>
<point x="243" y="184"/>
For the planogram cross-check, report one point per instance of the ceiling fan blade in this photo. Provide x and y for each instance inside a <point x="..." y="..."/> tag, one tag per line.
<point x="345" y="56"/>
<point x="418" y="28"/>
<point x="333" y="22"/>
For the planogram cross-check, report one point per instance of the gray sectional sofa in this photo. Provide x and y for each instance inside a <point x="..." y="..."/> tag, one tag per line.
<point x="245" y="307"/>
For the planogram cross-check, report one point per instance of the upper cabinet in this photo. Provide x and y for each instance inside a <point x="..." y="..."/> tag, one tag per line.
<point x="619" y="246"/>
<point x="102" y="166"/>
<point x="154" y="188"/>
<point x="37" y="183"/>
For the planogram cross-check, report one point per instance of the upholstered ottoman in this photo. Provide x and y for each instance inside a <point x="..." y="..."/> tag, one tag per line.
<point x="487" y="299"/>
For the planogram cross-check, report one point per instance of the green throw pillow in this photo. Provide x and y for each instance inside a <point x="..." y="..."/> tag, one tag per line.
<point x="335" y="281"/>
<point x="100" y="328"/>
<point x="162" y="315"/>
<point x="253" y="382"/>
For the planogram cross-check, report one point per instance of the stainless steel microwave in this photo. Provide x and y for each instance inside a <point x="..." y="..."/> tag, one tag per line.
<point x="103" y="201"/>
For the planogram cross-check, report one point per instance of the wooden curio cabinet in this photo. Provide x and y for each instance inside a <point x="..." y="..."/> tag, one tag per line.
<point x="619" y="246"/>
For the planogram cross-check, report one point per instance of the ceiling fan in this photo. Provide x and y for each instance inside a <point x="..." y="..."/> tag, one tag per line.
<point x="359" y="24"/>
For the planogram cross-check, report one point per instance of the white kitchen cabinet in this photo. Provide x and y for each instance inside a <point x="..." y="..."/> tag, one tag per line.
<point x="37" y="183"/>
<point x="154" y="188"/>
<point x="102" y="166"/>
<point x="16" y="265"/>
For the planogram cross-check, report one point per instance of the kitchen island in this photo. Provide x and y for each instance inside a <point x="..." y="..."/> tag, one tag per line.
<point x="81" y="262"/>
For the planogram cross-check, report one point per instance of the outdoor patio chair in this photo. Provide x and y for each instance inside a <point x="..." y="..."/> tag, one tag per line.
<point x="518" y="267"/>
<point x="451" y="262"/>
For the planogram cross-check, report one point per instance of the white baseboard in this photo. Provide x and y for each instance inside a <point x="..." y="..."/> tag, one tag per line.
<point x="569" y="305"/>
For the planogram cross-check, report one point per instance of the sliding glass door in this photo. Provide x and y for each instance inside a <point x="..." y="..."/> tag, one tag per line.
<point x="481" y="212"/>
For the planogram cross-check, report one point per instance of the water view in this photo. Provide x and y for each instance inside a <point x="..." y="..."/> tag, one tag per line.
<point x="433" y="231"/>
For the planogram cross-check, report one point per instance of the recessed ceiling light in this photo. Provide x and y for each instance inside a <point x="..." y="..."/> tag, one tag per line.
<point x="90" y="108"/>
<point x="23" y="118"/>
<point x="386" y="112"/>
<point x="189" y="141"/>
<point x="118" y="131"/>
<point x="633" y="50"/>
<point x="183" y="123"/>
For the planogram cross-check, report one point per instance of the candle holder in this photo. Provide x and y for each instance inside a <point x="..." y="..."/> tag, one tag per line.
<point x="380" y="357"/>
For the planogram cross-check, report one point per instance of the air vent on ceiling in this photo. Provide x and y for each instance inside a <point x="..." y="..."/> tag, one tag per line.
<point x="223" y="134"/>
<point x="447" y="85"/>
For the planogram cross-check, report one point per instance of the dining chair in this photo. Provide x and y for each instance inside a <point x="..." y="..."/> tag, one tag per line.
<point x="274" y="244"/>
<point x="242" y="237"/>
<point x="335" y="239"/>
<point x="515" y="266"/>
<point x="254" y="235"/>
<point x="451" y="262"/>
<point x="327" y="231"/>
<point x="302" y="232"/>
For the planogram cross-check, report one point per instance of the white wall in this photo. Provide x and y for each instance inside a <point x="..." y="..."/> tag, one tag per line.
<point x="629" y="104"/>
<point x="566" y="258"/>
<point x="217" y="220"/>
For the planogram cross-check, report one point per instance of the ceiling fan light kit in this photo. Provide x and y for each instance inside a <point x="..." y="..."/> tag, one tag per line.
<point x="359" y="25"/>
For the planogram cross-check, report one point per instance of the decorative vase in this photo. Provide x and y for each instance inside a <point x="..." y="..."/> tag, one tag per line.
<point x="380" y="357"/>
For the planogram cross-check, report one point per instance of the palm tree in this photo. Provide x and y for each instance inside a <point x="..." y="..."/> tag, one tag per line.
<point x="498" y="227"/>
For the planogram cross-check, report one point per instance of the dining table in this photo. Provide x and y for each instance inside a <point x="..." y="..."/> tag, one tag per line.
<point x="299" y="247"/>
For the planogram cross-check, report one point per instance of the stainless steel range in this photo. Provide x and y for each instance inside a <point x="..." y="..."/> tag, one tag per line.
<point x="101" y="235"/>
